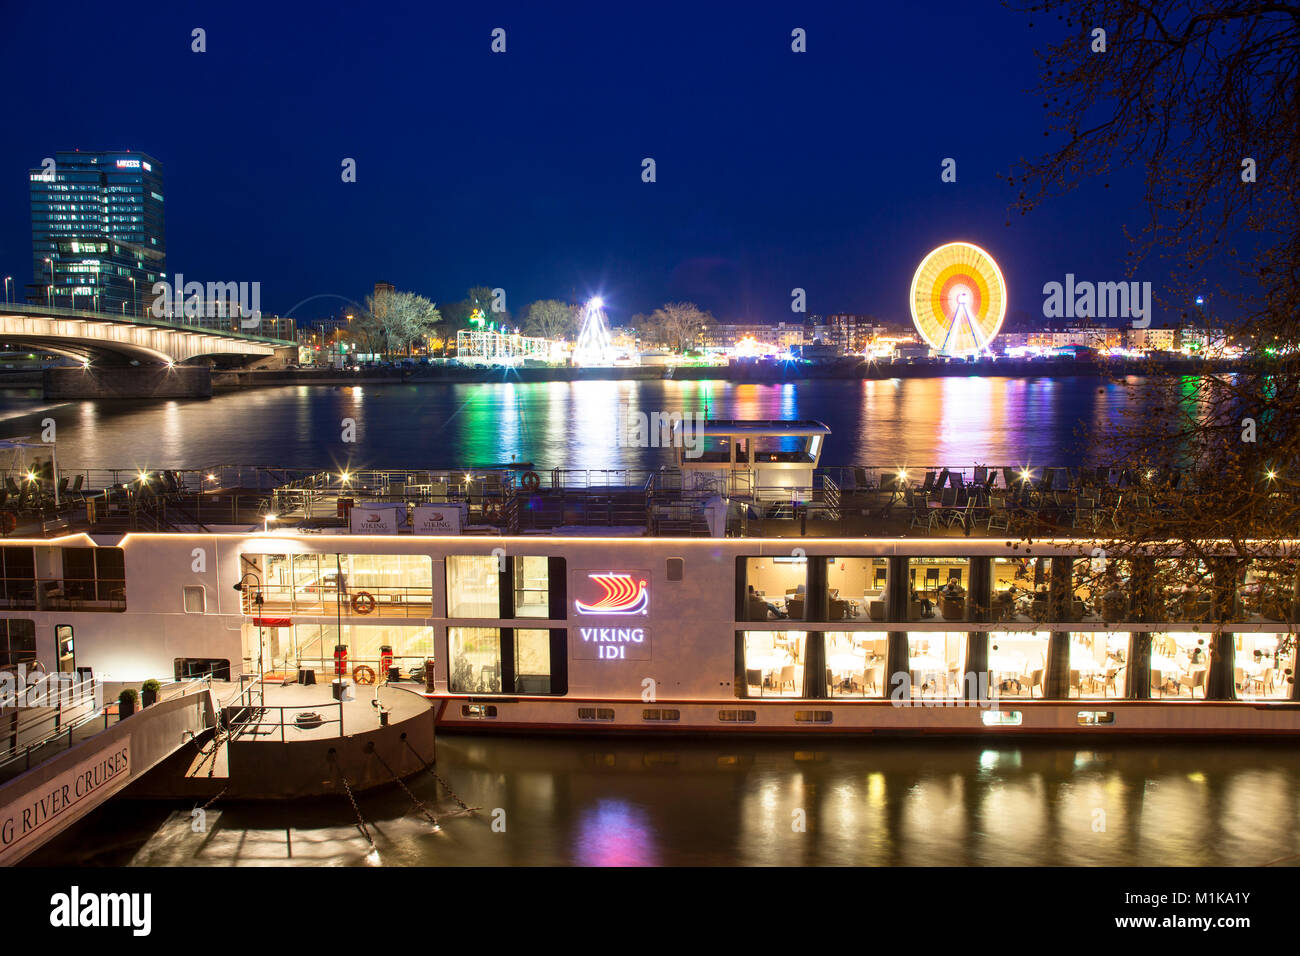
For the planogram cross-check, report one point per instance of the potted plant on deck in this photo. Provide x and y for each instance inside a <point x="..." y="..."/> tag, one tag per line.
<point x="126" y="703"/>
<point x="149" y="692"/>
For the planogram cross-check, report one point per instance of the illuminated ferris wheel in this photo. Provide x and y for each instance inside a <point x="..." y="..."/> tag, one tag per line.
<point x="958" y="299"/>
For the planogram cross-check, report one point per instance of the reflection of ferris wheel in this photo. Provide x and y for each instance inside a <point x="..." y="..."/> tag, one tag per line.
<point x="958" y="299"/>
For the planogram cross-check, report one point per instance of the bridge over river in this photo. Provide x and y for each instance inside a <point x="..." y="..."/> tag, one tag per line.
<point x="126" y="356"/>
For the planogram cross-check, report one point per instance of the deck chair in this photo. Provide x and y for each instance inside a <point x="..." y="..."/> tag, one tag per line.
<point x="922" y="515"/>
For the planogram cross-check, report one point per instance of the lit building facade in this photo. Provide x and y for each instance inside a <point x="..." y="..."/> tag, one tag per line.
<point x="728" y="334"/>
<point x="1097" y="337"/>
<point x="98" y="231"/>
<point x="850" y="332"/>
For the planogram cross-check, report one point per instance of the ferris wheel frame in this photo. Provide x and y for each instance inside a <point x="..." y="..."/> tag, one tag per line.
<point x="992" y="280"/>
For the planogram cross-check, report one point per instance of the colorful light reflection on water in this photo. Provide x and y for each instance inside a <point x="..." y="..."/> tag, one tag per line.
<point x="954" y="420"/>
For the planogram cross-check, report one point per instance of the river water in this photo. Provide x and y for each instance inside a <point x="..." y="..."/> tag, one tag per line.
<point x="687" y="802"/>
<point x="587" y="801"/>
<point x="999" y="421"/>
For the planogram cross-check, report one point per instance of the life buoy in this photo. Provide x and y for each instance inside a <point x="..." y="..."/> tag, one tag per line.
<point x="363" y="602"/>
<point x="8" y="521"/>
<point x="363" y="674"/>
<point x="530" y="481"/>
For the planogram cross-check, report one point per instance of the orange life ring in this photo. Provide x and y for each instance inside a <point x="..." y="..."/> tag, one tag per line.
<point x="8" y="521"/>
<point x="530" y="481"/>
<point x="363" y="674"/>
<point x="363" y="602"/>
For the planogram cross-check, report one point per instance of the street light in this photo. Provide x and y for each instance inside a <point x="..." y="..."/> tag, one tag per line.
<point x="257" y="599"/>
<point x="266" y="523"/>
<point x="8" y="279"/>
<point x="49" y="299"/>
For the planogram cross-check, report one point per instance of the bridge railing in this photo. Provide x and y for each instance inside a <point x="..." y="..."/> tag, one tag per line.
<point x="61" y="312"/>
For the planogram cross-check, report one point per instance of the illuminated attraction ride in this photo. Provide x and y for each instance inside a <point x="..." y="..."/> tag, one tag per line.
<point x="594" y="345"/>
<point x="958" y="299"/>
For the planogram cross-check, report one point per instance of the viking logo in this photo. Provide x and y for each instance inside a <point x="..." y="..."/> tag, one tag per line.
<point x="622" y="595"/>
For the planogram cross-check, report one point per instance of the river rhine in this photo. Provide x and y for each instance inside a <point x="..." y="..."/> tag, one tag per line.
<point x="674" y="801"/>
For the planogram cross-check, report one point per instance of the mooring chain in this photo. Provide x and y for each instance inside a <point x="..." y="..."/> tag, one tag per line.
<point x="215" y="799"/>
<point x="414" y="799"/>
<point x="361" y="821"/>
<point x="217" y="740"/>
<point x="463" y="805"/>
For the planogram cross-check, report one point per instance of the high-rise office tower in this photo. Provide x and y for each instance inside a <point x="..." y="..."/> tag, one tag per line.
<point x="98" y="237"/>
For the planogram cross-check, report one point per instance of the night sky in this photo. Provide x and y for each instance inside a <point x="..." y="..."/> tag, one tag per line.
<point x="523" y="170"/>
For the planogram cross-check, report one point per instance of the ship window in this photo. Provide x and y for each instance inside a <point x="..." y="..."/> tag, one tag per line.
<point x="676" y="569"/>
<point x="855" y="662"/>
<point x="1001" y="718"/>
<point x="478" y="711"/>
<point x="1092" y="717"/>
<point x="312" y="645"/>
<point x="94" y="574"/>
<point x="190" y="667"/>
<point x="813" y="716"/>
<point x="19" y="577"/>
<point x="532" y="661"/>
<point x="939" y="588"/>
<point x="738" y="716"/>
<point x="857" y="588"/>
<point x="473" y="585"/>
<point x="17" y="642"/>
<point x="195" y="599"/>
<point x="595" y="713"/>
<point x="532" y="586"/>
<point x="474" y="657"/>
<point x="773" y="663"/>
<point x="1018" y="661"/>
<point x="395" y="581"/>
<point x="655" y="713"/>
<point x="490" y="660"/>
<point x="774" y="588"/>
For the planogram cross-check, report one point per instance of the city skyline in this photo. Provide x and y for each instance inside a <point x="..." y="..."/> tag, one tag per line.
<point x="556" y="208"/>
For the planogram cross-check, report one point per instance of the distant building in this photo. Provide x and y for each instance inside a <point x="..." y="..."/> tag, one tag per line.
<point x="268" y="326"/>
<point x="850" y="332"/>
<point x="727" y="334"/>
<point x="1099" y="337"/>
<point x="1201" y="340"/>
<point x="1152" y="340"/>
<point x="98" y="236"/>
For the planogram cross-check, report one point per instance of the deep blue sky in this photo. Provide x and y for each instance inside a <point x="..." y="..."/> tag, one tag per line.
<point x="522" y="170"/>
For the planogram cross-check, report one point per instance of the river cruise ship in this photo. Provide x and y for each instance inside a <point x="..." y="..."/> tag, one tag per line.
<point x="744" y="590"/>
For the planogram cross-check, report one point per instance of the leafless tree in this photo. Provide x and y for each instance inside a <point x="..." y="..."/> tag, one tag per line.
<point x="1203" y="99"/>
